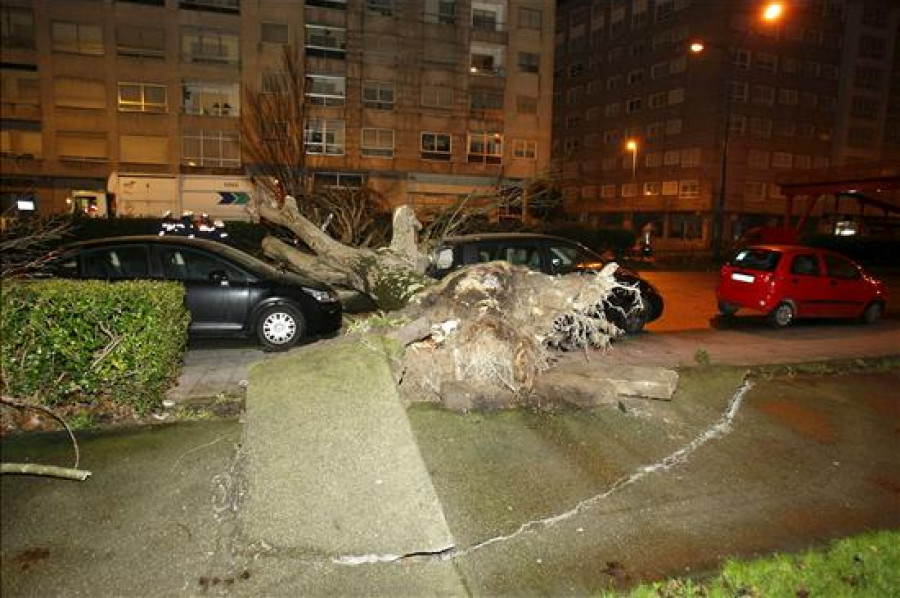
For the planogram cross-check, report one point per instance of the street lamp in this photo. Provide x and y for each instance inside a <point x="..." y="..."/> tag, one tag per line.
<point x="632" y="146"/>
<point x="771" y="13"/>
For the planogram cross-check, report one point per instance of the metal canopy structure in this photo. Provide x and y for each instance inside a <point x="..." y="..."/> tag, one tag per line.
<point x="874" y="186"/>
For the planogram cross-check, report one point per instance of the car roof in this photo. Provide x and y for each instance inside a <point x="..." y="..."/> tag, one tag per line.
<point x="157" y="239"/>
<point x="476" y="237"/>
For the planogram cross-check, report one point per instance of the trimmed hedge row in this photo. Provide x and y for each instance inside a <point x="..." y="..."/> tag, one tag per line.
<point x="91" y="341"/>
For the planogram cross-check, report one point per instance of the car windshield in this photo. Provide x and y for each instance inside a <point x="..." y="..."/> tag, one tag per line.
<point x="764" y="260"/>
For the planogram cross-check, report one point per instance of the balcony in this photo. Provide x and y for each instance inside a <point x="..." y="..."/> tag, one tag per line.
<point x="222" y="6"/>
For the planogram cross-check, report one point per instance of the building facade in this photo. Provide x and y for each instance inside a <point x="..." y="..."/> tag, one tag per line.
<point x="650" y="134"/>
<point x="423" y="101"/>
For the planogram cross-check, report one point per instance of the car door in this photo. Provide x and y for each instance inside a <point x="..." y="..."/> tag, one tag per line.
<point x="117" y="262"/>
<point x="846" y="292"/>
<point x="805" y="284"/>
<point x="216" y="291"/>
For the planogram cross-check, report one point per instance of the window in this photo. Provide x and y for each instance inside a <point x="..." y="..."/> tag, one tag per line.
<point x="437" y="97"/>
<point x="211" y="98"/>
<point x="325" y="90"/>
<point x="674" y="126"/>
<point x="612" y="136"/>
<point x="21" y="143"/>
<point x="737" y="124"/>
<point x="573" y="96"/>
<point x="653" y="159"/>
<point x="377" y="143"/>
<point x="613" y="83"/>
<point x="864" y="107"/>
<point x="676" y="96"/>
<point x="378" y="95"/>
<point x="190" y="265"/>
<point x="629" y="189"/>
<point x="690" y="158"/>
<point x="232" y="6"/>
<point x="142" y="97"/>
<point x="144" y="149"/>
<point x="670" y="188"/>
<point x="765" y="62"/>
<point x="740" y="58"/>
<point x="141" y="42"/>
<point x="211" y="148"/>
<point x="636" y="76"/>
<point x="116" y="263"/>
<point x="485" y="18"/>
<point x="487" y="59"/>
<point x="860" y="137"/>
<point x="607" y="191"/>
<point x="17" y="28"/>
<point x="867" y="77"/>
<point x="612" y="109"/>
<point x="763" y="95"/>
<point x="82" y="146"/>
<point x="485" y="99"/>
<point x="529" y="18"/>
<point x="689" y="188"/>
<point x="786" y="128"/>
<point x="633" y="105"/>
<point x="442" y="12"/>
<point x="525" y="148"/>
<point x="77" y="38"/>
<point x="79" y="93"/>
<point x="782" y="160"/>
<point x="485" y="147"/>
<point x="659" y="70"/>
<point x="274" y="33"/>
<point x="871" y="46"/>
<point x="324" y="136"/>
<point x="827" y="103"/>
<point x="325" y="42"/>
<point x="436" y="146"/>
<point x="755" y="190"/>
<point x="739" y="91"/>
<point x="802" y="162"/>
<point x="665" y="9"/>
<point x="573" y="121"/>
<point x="571" y="146"/>
<point x="529" y="62"/>
<point x="526" y="105"/>
<point x="210" y="45"/>
<point x="652" y="188"/>
<point x="657" y="100"/>
<point x="343" y="180"/>
<point x="788" y="97"/>
<point x="678" y="65"/>
<point x="671" y="157"/>
<point x="384" y="8"/>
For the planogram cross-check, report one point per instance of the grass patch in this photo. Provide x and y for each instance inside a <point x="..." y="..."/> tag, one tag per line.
<point x="862" y="566"/>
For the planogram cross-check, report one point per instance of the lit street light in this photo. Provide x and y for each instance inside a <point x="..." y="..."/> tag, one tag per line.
<point x="771" y="13"/>
<point x="632" y="147"/>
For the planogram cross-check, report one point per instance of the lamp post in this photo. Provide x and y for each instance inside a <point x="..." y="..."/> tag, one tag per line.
<point x="771" y="13"/>
<point x="632" y="146"/>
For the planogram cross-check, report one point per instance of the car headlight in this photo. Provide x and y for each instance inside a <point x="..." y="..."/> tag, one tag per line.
<point x="322" y="296"/>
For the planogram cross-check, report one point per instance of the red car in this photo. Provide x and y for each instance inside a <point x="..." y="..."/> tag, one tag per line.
<point x="787" y="282"/>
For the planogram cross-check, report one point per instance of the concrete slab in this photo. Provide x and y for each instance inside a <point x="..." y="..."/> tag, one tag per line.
<point x="333" y="465"/>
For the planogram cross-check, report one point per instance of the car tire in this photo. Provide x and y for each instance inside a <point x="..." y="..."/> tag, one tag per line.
<point x="782" y="315"/>
<point x="873" y="312"/>
<point x="280" y="327"/>
<point x="636" y="320"/>
<point x="727" y="309"/>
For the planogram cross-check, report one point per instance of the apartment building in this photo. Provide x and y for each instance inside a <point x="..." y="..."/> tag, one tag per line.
<point x="424" y="100"/>
<point x="648" y="133"/>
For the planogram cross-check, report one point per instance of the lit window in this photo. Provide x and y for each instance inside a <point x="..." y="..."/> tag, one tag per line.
<point x="211" y="98"/>
<point x="689" y="188"/>
<point x="324" y="137"/>
<point x="325" y="90"/>
<point x="485" y="147"/>
<point x="435" y="146"/>
<point x="525" y="148"/>
<point x="211" y="148"/>
<point x="142" y="97"/>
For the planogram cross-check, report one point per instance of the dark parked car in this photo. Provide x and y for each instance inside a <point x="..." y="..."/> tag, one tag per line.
<point x="550" y="255"/>
<point x="228" y="292"/>
<point x="791" y="281"/>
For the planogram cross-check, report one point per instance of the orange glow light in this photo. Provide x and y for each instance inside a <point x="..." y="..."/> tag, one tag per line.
<point x="631" y="146"/>
<point x="773" y="11"/>
<point x="697" y="47"/>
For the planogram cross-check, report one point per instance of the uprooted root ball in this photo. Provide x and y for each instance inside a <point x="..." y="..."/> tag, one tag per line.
<point x="487" y="331"/>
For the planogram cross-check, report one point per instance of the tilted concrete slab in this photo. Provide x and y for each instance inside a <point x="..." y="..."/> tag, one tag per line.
<point x="333" y="465"/>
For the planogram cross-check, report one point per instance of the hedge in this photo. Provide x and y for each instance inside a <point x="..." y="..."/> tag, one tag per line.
<point x="67" y="341"/>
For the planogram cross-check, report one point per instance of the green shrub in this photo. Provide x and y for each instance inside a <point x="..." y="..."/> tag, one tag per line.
<point x="90" y="341"/>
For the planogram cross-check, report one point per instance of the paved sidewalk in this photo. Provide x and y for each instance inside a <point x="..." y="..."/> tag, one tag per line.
<point x="211" y="371"/>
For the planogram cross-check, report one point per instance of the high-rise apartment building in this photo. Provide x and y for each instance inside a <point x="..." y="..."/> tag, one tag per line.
<point x="649" y="132"/>
<point x="423" y="100"/>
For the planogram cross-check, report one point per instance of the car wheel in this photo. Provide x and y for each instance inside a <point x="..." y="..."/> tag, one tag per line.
<point x="782" y="316"/>
<point x="873" y="312"/>
<point x="727" y="309"/>
<point x="636" y="319"/>
<point x="280" y="327"/>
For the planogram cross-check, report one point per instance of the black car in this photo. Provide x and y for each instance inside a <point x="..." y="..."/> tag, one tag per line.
<point x="550" y="255"/>
<point x="228" y="292"/>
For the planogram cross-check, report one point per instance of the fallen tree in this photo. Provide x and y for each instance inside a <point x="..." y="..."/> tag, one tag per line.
<point x="485" y="333"/>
